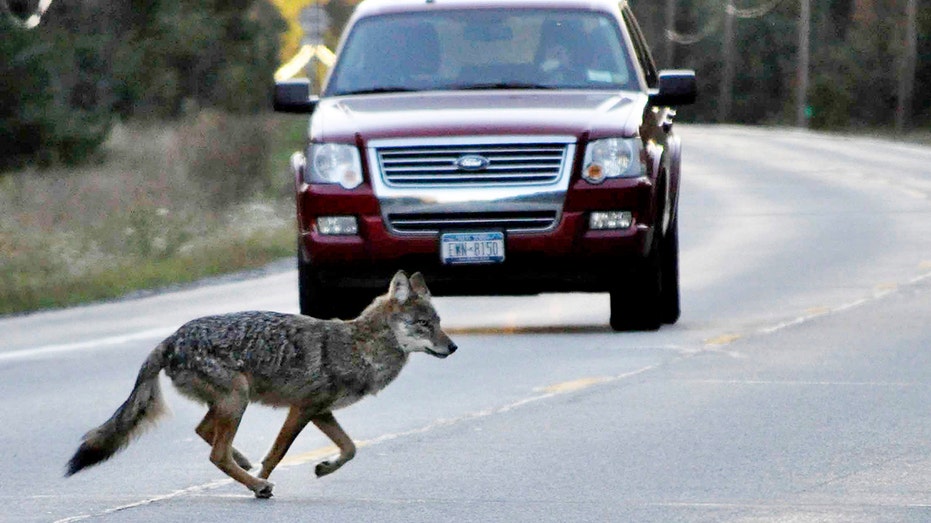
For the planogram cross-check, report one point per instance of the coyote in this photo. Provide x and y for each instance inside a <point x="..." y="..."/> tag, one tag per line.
<point x="310" y="365"/>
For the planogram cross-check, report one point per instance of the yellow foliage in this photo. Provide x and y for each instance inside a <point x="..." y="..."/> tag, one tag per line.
<point x="291" y="12"/>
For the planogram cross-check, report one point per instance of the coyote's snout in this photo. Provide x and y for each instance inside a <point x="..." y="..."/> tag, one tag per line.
<point x="312" y="366"/>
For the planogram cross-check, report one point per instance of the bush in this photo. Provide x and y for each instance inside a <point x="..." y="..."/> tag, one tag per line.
<point x="830" y="104"/>
<point x="227" y="156"/>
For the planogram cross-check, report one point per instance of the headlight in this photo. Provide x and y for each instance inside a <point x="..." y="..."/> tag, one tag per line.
<point x="334" y="163"/>
<point x="612" y="158"/>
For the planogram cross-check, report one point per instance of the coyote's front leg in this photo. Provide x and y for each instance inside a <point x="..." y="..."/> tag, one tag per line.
<point x="296" y="421"/>
<point x="347" y="449"/>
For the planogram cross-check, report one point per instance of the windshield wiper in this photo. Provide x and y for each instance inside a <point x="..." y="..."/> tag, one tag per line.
<point x="377" y="90"/>
<point x="501" y="85"/>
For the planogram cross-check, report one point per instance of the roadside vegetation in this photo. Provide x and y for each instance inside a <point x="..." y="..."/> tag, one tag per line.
<point x="170" y="204"/>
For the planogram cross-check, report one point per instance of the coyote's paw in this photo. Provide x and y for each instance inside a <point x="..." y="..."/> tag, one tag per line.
<point x="326" y="467"/>
<point x="263" y="490"/>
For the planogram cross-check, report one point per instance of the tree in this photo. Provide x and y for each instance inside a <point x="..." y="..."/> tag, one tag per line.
<point x="90" y="61"/>
<point x="46" y="116"/>
<point x="856" y="55"/>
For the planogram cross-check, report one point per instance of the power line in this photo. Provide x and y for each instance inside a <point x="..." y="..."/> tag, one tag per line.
<point x="694" y="38"/>
<point x="753" y="12"/>
<point x="712" y="26"/>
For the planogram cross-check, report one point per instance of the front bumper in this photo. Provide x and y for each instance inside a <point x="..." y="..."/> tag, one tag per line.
<point x="568" y="257"/>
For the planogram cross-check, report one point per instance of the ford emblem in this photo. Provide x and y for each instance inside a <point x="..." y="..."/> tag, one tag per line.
<point x="471" y="162"/>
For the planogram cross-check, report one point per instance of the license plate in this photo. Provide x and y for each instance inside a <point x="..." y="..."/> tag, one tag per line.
<point x="473" y="247"/>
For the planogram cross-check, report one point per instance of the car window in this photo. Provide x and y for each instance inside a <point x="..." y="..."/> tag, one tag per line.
<point x="483" y="49"/>
<point x="641" y="49"/>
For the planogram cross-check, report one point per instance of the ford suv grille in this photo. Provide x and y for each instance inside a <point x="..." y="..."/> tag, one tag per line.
<point x="500" y="164"/>
<point x="518" y="221"/>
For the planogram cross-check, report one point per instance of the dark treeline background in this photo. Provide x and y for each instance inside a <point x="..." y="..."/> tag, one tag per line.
<point x="857" y="47"/>
<point x="92" y="62"/>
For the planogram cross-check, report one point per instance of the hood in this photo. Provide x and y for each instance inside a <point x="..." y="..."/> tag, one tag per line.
<point x="581" y="114"/>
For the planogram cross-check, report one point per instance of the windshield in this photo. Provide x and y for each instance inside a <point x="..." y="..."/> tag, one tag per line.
<point x="483" y="49"/>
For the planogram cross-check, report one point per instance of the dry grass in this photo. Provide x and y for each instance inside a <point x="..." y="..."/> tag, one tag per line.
<point x="169" y="204"/>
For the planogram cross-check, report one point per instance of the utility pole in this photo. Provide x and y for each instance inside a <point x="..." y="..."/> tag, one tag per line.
<point x="804" y="40"/>
<point x="907" y="69"/>
<point x="670" y="26"/>
<point x="727" y="79"/>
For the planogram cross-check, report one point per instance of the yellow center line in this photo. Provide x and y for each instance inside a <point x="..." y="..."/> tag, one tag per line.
<point x="515" y="329"/>
<point x="724" y="339"/>
<point x="313" y="455"/>
<point x="544" y="393"/>
<point x="574" y="385"/>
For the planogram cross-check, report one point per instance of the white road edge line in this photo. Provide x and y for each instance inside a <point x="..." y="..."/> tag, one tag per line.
<point x="110" y="341"/>
<point x="878" y="295"/>
<point x="189" y="490"/>
<point x="314" y="455"/>
<point x="802" y="383"/>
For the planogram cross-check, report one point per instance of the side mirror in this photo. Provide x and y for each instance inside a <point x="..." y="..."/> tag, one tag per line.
<point x="293" y="96"/>
<point x="675" y="88"/>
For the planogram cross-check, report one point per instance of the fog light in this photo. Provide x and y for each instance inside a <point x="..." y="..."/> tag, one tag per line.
<point x="337" y="225"/>
<point x="602" y="220"/>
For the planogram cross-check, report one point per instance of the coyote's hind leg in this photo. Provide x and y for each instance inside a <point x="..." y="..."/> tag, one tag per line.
<point x="228" y="412"/>
<point x="206" y="430"/>
<point x="347" y="449"/>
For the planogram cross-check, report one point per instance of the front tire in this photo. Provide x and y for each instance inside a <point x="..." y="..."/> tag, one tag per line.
<point x="669" y="299"/>
<point x="651" y="297"/>
<point x="325" y="303"/>
<point x="636" y="306"/>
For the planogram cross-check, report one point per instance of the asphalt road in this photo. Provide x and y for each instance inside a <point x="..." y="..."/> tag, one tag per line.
<point x="796" y="387"/>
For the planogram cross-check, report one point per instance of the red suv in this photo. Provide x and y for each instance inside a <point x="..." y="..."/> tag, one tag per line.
<point x="497" y="146"/>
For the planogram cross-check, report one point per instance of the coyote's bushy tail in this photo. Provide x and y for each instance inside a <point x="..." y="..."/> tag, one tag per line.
<point x="142" y="408"/>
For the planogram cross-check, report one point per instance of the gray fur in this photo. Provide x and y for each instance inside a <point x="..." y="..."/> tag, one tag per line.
<point x="312" y="366"/>
<point x="288" y="358"/>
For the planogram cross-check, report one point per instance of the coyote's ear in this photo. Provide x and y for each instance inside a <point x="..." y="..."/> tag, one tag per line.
<point x="419" y="285"/>
<point x="400" y="289"/>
